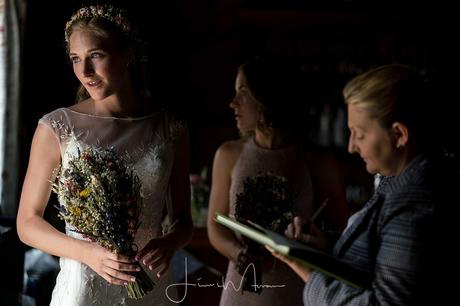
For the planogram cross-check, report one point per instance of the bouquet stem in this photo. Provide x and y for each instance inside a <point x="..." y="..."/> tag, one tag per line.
<point x="142" y="285"/>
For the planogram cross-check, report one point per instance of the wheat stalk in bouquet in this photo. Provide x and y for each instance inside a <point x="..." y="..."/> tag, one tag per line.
<point x="100" y="198"/>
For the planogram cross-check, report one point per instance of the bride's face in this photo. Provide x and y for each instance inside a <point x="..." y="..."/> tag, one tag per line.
<point x="96" y="63"/>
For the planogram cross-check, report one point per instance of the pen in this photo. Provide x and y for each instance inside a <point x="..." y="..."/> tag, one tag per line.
<point x="172" y="225"/>
<point x="318" y="212"/>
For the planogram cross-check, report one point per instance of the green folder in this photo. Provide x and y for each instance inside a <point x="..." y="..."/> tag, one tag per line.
<point x="302" y="253"/>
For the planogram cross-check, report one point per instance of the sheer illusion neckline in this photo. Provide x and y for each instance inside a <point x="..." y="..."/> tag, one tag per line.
<point x="111" y="117"/>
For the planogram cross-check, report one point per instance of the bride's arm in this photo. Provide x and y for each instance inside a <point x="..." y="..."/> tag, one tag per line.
<point x="32" y="228"/>
<point x="35" y="231"/>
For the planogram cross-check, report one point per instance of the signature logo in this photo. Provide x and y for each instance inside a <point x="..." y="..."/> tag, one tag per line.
<point x="225" y="285"/>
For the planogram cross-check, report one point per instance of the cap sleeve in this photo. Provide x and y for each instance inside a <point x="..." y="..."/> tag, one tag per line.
<point x="58" y="123"/>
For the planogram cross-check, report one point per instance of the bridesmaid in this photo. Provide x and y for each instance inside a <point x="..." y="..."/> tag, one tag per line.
<point x="268" y="110"/>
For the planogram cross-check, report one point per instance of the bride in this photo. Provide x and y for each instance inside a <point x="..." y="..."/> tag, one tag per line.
<point x="112" y="112"/>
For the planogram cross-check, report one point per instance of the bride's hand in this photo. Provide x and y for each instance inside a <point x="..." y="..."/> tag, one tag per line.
<point x="112" y="267"/>
<point x="157" y="252"/>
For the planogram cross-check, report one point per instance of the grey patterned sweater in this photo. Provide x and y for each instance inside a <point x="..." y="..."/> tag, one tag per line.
<point x="404" y="238"/>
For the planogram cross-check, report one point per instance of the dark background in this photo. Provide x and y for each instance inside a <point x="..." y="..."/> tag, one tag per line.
<point x="195" y="47"/>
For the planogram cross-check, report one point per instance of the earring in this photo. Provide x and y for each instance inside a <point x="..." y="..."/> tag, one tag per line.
<point x="399" y="146"/>
<point x="260" y="117"/>
<point x="260" y="121"/>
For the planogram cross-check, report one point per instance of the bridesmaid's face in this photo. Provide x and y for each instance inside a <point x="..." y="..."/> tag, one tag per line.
<point x="244" y="105"/>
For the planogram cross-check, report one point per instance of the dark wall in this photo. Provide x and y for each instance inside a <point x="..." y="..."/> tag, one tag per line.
<point x="196" y="46"/>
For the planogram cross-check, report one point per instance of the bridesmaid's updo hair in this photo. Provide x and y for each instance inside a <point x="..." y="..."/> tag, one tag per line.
<point x="276" y="85"/>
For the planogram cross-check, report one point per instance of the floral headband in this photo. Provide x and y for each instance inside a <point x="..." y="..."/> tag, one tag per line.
<point x="105" y="11"/>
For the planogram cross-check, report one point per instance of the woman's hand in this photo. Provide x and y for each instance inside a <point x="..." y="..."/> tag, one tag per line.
<point x="157" y="252"/>
<point x="307" y="232"/>
<point x="302" y="271"/>
<point x="295" y="229"/>
<point x="114" y="268"/>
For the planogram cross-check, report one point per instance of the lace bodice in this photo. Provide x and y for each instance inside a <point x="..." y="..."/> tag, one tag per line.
<point x="148" y="143"/>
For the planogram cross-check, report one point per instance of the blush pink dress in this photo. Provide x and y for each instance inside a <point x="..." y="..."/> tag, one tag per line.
<point x="281" y="285"/>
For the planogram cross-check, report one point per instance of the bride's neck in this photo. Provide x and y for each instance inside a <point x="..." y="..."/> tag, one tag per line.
<point x="122" y="106"/>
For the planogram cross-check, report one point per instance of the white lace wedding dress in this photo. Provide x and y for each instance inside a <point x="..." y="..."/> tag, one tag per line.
<point x="149" y="143"/>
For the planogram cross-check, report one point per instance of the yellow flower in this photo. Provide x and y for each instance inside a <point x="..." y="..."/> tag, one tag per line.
<point x="76" y="211"/>
<point x="85" y="192"/>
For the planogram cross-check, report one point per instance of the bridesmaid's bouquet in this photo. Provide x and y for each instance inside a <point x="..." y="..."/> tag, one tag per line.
<point x="267" y="200"/>
<point x="100" y="198"/>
